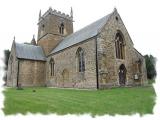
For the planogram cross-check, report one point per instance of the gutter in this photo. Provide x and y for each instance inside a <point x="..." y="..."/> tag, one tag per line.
<point x="97" y="64"/>
<point x="18" y="75"/>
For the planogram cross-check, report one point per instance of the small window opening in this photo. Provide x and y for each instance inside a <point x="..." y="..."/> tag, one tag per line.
<point x="52" y="67"/>
<point x="61" y="29"/>
<point x="116" y="18"/>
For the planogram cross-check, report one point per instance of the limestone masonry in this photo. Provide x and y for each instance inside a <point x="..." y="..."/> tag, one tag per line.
<point x="100" y="55"/>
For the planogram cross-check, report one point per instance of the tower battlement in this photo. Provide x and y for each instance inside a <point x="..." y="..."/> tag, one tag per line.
<point x="53" y="25"/>
<point x="50" y="11"/>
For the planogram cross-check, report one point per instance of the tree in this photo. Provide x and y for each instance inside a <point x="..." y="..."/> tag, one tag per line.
<point x="150" y="66"/>
<point x="6" y="57"/>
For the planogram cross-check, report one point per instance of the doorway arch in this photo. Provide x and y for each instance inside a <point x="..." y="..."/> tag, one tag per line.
<point x="122" y="75"/>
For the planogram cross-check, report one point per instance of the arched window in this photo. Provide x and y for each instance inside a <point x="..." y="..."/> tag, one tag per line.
<point x="81" y="60"/>
<point x="119" y="45"/>
<point x="52" y="67"/>
<point x="61" y="29"/>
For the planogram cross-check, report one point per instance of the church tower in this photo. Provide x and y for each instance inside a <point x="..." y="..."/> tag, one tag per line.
<point x="52" y="27"/>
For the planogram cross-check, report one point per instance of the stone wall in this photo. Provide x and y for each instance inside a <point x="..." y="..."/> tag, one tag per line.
<point x="66" y="72"/>
<point x="12" y="68"/>
<point x="48" y="42"/>
<point x="31" y="73"/>
<point x="108" y="64"/>
<point x="142" y="73"/>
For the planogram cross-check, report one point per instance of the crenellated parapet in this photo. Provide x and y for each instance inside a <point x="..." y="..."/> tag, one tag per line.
<point x="50" y="11"/>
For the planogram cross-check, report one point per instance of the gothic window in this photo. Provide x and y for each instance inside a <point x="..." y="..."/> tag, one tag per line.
<point x="52" y="67"/>
<point x="80" y="60"/>
<point x="119" y="45"/>
<point x="61" y="29"/>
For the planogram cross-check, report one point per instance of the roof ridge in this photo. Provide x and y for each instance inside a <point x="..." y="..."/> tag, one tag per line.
<point x="27" y="44"/>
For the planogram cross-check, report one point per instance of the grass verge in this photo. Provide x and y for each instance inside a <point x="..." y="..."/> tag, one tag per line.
<point x="124" y="101"/>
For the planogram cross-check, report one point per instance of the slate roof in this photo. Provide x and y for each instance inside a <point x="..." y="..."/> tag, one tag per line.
<point x="82" y="35"/>
<point x="31" y="52"/>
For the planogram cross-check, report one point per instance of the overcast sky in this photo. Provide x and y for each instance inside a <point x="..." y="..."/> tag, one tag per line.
<point x="19" y="18"/>
<point x="141" y="17"/>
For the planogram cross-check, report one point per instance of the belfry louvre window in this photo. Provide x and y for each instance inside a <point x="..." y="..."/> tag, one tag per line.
<point x="119" y="45"/>
<point x="61" y="29"/>
<point x="81" y="60"/>
<point x="52" y="67"/>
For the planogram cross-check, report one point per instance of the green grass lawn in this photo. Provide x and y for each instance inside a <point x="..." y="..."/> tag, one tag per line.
<point x="64" y="101"/>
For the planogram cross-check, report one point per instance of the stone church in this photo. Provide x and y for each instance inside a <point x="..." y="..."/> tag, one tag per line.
<point x="98" y="56"/>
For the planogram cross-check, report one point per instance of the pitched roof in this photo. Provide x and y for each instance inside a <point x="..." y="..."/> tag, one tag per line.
<point x="31" y="52"/>
<point x="82" y="35"/>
